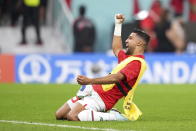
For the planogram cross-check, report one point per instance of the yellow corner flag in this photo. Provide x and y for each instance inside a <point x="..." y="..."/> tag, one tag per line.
<point x="133" y="113"/>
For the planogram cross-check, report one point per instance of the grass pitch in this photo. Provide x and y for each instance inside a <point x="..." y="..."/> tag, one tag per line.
<point x="164" y="107"/>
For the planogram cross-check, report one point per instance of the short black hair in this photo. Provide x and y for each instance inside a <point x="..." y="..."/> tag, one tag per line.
<point x="142" y="34"/>
<point x="82" y="10"/>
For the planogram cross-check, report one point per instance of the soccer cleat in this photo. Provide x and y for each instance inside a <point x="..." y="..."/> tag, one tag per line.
<point x="84" y="91"/>
<point x="118" y="115"/>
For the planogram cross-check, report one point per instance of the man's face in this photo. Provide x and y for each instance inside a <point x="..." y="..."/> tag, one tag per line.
<point x="131" y="43"/>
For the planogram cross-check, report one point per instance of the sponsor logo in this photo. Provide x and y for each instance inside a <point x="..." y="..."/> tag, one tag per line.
<point x="34" y="68"/>
<point x="170" y="72"/>
<point x="65" y="69"/>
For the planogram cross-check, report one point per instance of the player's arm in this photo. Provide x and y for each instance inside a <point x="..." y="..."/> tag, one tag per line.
<point x="109" y="79"/>
<point x="117" y="41"/>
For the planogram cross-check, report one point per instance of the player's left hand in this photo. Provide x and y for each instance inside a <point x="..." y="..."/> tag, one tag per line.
<point x="83" y="80"/>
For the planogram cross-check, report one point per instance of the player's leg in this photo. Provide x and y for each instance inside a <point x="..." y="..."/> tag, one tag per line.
<point x="91" y="115"/>
<point x="91" y="108"/>
<point x="61" y="113"/>
<point x="89" y="102"/>
<point x="24" y="25"/>
<point x="73" y="114"/>
<point x="95" y="108"/>
<point x="85" y="102"/>
<point x="35" y="18"/>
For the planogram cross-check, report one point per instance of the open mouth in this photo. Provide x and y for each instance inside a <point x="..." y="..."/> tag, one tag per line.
<point x="126" y="47"/>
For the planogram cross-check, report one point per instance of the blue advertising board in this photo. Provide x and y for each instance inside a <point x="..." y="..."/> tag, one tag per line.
<point x="61" y="68"/>
<point x="162" y="68"/>
<point x="170" y="68"/>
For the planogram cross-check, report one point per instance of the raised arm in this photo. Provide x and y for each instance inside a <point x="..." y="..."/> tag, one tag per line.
<point x="117" y="41"/>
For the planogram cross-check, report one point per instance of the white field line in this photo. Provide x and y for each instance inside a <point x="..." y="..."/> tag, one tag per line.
<point x="58" y="125"/>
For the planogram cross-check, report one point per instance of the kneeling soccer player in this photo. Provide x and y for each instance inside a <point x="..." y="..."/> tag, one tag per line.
<point x="97" y="96"/>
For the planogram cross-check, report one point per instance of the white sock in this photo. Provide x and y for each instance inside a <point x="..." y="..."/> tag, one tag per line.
<point x="90" y="115"/>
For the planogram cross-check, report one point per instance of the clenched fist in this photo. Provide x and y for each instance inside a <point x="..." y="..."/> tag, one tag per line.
<point x="119" y="18"/>
<point x="83" y="80"/>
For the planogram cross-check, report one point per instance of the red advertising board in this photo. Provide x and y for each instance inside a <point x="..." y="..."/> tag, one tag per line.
<point x="7" y="69"/>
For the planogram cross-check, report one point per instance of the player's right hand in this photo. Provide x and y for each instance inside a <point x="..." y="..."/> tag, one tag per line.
<point x="119" y="18"/>
<point x="83" y="80"/>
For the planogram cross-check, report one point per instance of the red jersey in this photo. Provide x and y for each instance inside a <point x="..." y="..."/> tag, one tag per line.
<point x="131" y="72"/>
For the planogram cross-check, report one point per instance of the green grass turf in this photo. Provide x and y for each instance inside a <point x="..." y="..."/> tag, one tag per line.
<point x="164" y="107"/>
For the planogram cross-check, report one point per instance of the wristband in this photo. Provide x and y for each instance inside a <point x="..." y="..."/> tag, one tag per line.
<point x="117" y="29"/>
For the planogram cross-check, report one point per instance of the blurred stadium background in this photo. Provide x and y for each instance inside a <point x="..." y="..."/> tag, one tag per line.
<point x="171" y="58"/>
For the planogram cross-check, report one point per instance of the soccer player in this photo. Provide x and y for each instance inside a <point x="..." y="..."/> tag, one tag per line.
<point x="97" y="96"/>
